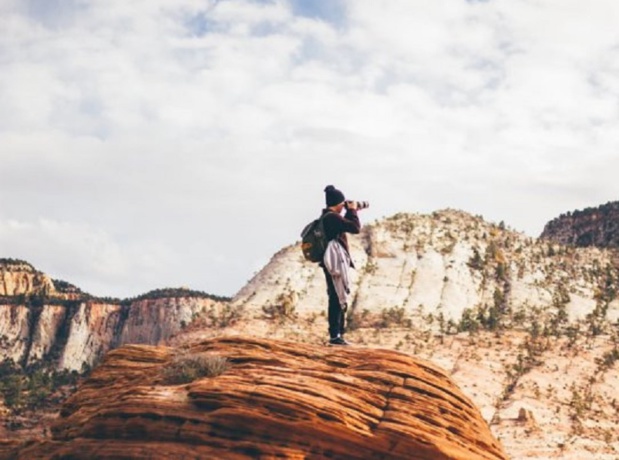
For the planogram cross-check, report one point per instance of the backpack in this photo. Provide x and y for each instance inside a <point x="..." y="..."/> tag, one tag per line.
<point x="314" y="240"/>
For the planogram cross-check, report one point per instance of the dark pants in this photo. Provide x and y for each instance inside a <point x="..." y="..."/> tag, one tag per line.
<point x="337" y="314"/>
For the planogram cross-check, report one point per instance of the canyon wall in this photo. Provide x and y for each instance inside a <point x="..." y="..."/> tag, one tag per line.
<point x="45" y="321"/>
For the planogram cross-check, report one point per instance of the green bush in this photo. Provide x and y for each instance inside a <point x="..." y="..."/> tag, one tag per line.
<point x="11" y="388"/>
<point x="33" y="387"/>
<point x="469" y="321"/>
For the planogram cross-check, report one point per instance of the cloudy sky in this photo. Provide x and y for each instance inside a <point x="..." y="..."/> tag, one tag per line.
<point x="160" y="143"/>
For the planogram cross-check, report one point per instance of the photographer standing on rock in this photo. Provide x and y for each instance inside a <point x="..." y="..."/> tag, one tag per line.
<point x="337" y="258"/>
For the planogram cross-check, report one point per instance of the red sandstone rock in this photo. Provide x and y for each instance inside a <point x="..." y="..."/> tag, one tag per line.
<point x="276" y="400"/>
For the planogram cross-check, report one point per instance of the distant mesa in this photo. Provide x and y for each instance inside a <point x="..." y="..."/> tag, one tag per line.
<point x="597" y="226"/>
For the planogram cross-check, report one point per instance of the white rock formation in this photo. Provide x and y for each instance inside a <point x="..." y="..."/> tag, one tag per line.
<point x="445" y="262"/>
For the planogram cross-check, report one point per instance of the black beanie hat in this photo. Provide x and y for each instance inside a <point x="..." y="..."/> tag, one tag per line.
<point x="333" y="196"/>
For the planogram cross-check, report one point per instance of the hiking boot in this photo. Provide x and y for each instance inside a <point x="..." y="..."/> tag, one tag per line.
<point x="338" y="341"/>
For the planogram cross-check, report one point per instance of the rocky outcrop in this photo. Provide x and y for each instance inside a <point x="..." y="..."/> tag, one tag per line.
<point x="588" y="227"/>
<point x="443" y="264"/>
<point x="276" y="400"/>
<point x="20" y="278"/>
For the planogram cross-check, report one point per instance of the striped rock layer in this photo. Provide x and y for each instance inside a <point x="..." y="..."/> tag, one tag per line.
<point x="275" y="400"/>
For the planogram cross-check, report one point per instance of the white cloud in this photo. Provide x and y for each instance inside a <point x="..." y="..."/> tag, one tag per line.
<point x="201" y="133"/>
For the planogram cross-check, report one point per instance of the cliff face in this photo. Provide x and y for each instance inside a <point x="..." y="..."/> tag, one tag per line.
<point x="39" y="322"/>
<point x="71" y="335"/>
<point x="276" y="400"/>
<point x="151" y="321"/>
<point x="589" y="227"/>
<point x="80" y="333"/>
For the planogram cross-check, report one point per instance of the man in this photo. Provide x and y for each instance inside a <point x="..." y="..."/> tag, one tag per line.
<point x="336" y="226"/>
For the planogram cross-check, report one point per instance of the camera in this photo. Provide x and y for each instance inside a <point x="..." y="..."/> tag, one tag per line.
<point x="360" y="204"/>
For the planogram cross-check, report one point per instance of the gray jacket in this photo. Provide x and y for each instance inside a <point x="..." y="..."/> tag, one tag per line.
<point x="337" y="261"/>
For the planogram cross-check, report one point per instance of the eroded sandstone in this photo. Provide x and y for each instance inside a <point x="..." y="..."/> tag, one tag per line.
<point x="277" y="400"/>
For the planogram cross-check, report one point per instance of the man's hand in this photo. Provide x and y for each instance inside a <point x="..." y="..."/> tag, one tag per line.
<point x="351" y="205"/>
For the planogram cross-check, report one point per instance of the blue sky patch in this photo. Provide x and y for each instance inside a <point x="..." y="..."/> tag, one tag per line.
<point x="332" y="11"/>
<point x="54" y="13"/>
<point x="200" y="25"/>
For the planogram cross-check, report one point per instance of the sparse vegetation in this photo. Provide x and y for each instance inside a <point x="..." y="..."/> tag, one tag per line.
<point x="185" y="367"/>
<point x="370" y="267"/>
<point x="11" y="264"/>
<point x="175" y="292"/>
<point x="610" y="357"/>
<point x="393" y="316"/>
<point x="476" y="262"/>
<point x="469" y="321"/>
<point x="357" y="320"/>
<point x="33" y="387"/>
<point x="283" y="309"/>
<point x="580" y="403"/>
<point x="223" y="315"/>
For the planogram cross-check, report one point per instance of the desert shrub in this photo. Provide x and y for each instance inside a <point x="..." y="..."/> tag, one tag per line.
<point x="370" y="267"/>
<point x="558" y="320"/>
<point x="65" y="377"/>
<point x="581" y="401"/>
<point x="223" y="317"/>
<point x="572" y="332"/>
<point x="596" y="320"/>
<point x="358" y="319"/>
<point x="283" y="309"/>
<point x="610" y="357"/>
<point x="33" y="387"/>
<point x="185" y="367"/>
<point x="484" y="317"/>
<point x="535" y="346"/>
<point x="393" y="316"/>
<point x="11" y="388"/>
<point x="468" y="321"/>
<point x="490" y="317"/>
<point x="38" y="397"/>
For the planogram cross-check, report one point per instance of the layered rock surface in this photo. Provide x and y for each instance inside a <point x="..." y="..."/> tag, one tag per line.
<point x="276" y="400"/>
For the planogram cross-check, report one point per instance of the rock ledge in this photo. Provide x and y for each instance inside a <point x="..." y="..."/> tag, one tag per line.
<point x="277" y="399"/>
